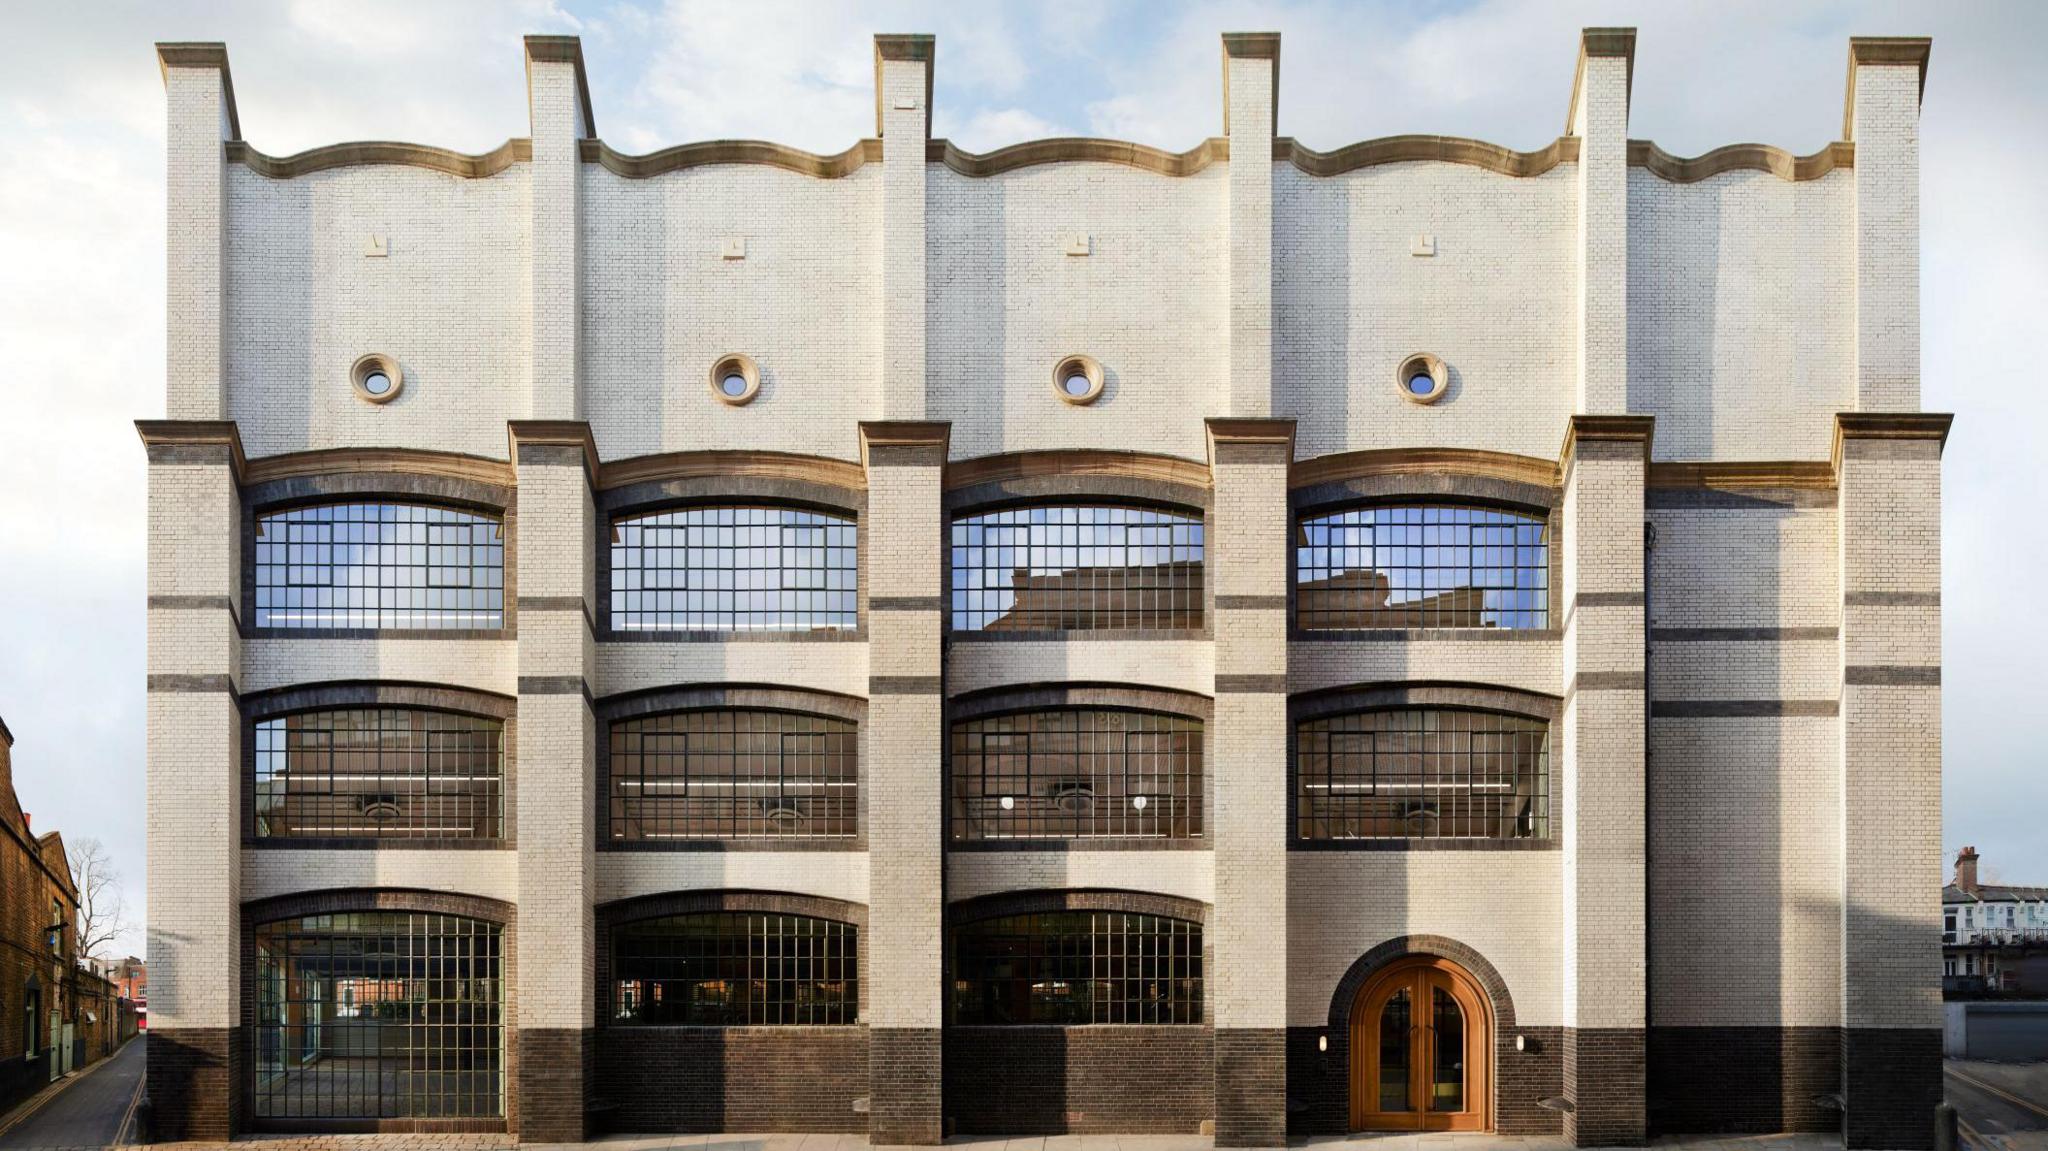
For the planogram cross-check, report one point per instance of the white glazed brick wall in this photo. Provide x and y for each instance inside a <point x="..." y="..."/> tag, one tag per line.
<point x="1006" y="304"/>
<point x="831" y="874"/>
<point x="1887" y="134"/>
<point x="448" y="302"/>
<point x="1187" y="874"/>
<point x="1495" y="302"/>
<point x="195" y="192"/>
<point x="1503" y="904"/>
<point x="1525" y="665"/>
<point x="192" y="814"/>
<point x="1741" y="285"/>
<point x="1765" y="566"/>
<point x="835" y="666"/>
<point x="482" y="664"/>
<point x="661" y="306"/>
<point x="1745" y="881"/>
<point x="1179" y="665"/>
<point x="490" y="874"/>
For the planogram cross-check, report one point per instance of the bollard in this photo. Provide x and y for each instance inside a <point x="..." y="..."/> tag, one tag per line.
<point x="1945" y="1127"/>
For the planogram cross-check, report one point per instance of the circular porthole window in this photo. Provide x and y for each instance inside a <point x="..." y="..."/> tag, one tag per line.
<point x="735" y="380"/>
<point x="1422" y="378"/>
<point x="376" y="378"/>
<point x="1077" y="380"/>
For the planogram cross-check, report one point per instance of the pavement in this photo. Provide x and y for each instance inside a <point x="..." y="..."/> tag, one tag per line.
<point x="1999" y="1106"/>
<point x="89" y="1110"/>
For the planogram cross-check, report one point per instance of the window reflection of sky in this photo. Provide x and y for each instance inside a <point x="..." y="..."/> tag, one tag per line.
<point x="1076" y="567"/>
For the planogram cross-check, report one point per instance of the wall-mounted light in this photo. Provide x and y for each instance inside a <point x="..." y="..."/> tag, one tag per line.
<point x="1323" y="1041"/>
<point x="1521" y="1042"/>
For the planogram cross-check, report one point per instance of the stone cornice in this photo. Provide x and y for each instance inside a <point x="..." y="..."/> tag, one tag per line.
<point x="367" y="152"/>
<point x="1252" y="46"/>
<point x="711" y="152"/>
<point x="562" y="50"/>
<point x="573" y="434"/>
<point x="394" y="461"/>
<point x="1077" y="462"/>
<point x="751" y="464"/>
<point x="1740" y="157"/>
<point x="1234" y="431"/>
<point x="1882" y="50"/>
<point x="1078" y="149"/>
<point x="1586" y="429"/>
<point x="196" y="433"/>
<point x="911" y="47"/>
<point x="1443" y="149"/>
<point x="1926" y="426"/>
<point x="1423" y="461"/>
<point x="1812" y="474"/>
<point x="933" y="435"/>
<point x="203" y="54"/>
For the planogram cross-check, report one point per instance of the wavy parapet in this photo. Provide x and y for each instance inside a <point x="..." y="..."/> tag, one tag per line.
<point x="711" y="152"/>
<point x="1740" y="158"/>
<point x="1078" y="149"/>
<point x="1442" y="149"/>
<point x="362" y="152"/>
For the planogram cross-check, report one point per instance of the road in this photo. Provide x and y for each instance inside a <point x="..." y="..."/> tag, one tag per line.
<point x="2000" y="1106"/>
<point x="89" y="1113"/>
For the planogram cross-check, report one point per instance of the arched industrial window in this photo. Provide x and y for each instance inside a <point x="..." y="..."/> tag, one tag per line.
<point x="379" y="566"/>
<point x="1076" y="568"/>
<point x="1422" y="773"/>
<point x="379" y="773"/>
<point x="379" y="1015"/>
<point x="726" y="569"/>
<point x="735" y="969"/>
<point x="1076" y="967"/>
<point x="1422" y="566"/>
<point x="1077" y="773"/>
<point x="734" y="773"/>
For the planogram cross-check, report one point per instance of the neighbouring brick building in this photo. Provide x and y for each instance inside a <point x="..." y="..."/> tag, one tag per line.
<point x="1073" y="638"/>
<point x="40" y="983"/>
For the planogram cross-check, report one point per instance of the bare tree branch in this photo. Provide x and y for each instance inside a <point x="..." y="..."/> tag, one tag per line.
<point x="102" y="910"/>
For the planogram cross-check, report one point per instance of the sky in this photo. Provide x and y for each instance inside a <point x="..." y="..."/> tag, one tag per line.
<point x="82" y="222"/>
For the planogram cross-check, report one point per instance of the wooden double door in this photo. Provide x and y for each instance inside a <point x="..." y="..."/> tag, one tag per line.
<point x="1421" y="1050"/>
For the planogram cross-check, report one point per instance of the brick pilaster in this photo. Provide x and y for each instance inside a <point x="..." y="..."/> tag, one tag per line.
<point x="902" y="954"/>
<point x="1599" y="759"/>
<point x="558" y="102"/>
<point x="195" y="815"/>
<point x="1251" y="82"/>
<point x="1889" y="471"/>
<point x="556" y="543"/>
<point x="903" y="119"/>
<point x="1599" y="118"/>
<point x="1247" y="985"/>
<point x="200" y="97"/>
<point x="1882" y="118"/>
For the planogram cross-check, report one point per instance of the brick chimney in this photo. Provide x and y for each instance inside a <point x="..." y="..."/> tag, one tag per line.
<point x="1966" y="870"/>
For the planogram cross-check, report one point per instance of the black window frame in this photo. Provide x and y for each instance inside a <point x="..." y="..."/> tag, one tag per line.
<point x="766" y="938"/>
<point x="1184" y="815"/>
<point x="1186" y="611"/>
<point x="1544" y="833"/>
<point x="498" y="728"/>
<point x="1545" y="619"/>
<point x="488" y="623"/>
<point x="1056" y="956"/>
<point x="848" y="810"/>
<point x="846" y="621"/>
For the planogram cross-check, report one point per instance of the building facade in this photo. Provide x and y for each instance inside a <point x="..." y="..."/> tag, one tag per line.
<point x="1073" y="638"/>
<point x="1994" y="936"/>
<point x="40" y="983"/>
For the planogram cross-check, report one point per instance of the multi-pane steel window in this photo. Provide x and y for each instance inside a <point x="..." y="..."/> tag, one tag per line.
<point x="379" y="773"/>
<point x="734" y="773"/>
<point x="1077" y="773"/>
<point x="379" y="1015"/>
<point x="1076" y="568"/>
<point x="379" y="565"/>
<point x="1423" y="773"/>
<point x="1419" y="566"/>
<point x="735" y="969"/>
<point x="734" y="569"/>
<point x="1070" y="967"/>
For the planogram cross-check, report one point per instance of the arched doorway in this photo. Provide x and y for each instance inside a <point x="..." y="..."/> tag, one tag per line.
<point x="1421" y="1050"/>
